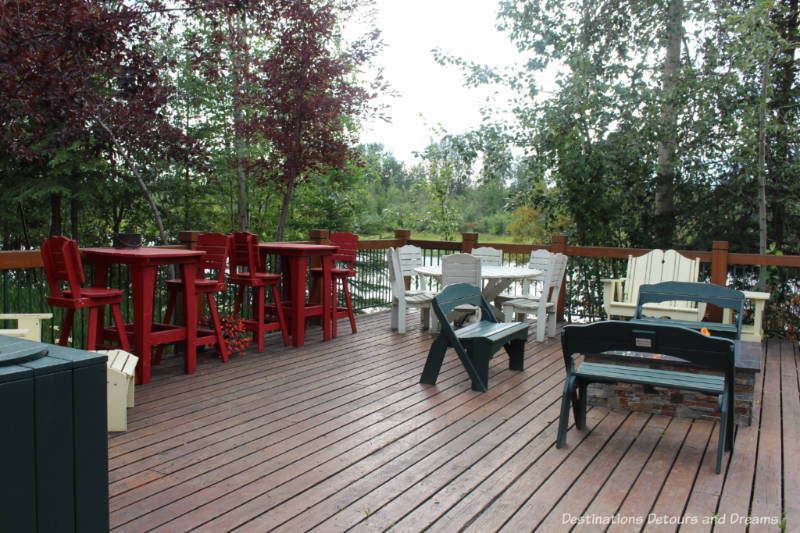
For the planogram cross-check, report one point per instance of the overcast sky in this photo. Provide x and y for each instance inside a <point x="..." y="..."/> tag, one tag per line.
<point x="431" y="94"/>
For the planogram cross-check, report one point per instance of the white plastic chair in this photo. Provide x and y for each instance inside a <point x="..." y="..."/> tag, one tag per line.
<point x="410" y="257"/>
<point x="489" y="256"/>
<point x="461" y="268"/>
<point x="403" y="299"/>
<point x="543" y="305"/>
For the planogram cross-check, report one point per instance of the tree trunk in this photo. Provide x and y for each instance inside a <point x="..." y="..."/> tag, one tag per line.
<point x="236" y="46"/>
<point x="142" y="185"/>
<point x="779" y="157"/>
<point x="667" y="145"/>
<point x="287" y="198"/>
<point x="56" y="227"/>
<point x="762" y="169"/>
<point x="74" y="207"/>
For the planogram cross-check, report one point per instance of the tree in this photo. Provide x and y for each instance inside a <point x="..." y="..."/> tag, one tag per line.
<point x="80" y="71"/>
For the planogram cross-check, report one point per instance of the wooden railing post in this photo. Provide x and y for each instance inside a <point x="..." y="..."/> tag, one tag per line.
<point x="559" y="246"/>
<point x="319" y="236"/>
<point x="719" y="274"/>
<point x="189" y="238"/>
<point x="468" y="242"/>
<point x="401" y="237"/>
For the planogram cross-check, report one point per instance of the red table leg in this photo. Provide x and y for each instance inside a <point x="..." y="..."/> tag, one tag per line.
<point x="327" y="266"/>
<point x="190" y="311"/>
<point x="297" y="276"/>
<point x="143" y="281"/>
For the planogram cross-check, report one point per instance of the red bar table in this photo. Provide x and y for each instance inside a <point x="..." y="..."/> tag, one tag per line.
<point x="294" y="258"/>
<point x="143" y="264"/>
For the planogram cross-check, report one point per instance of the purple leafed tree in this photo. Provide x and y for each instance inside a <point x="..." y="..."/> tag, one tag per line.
<point x="300" y="89"/>
<point x="72" y="71"/>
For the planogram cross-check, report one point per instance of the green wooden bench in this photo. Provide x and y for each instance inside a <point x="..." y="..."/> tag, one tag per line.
<point x="475" y="343"/>
<point x="715" y="353"/>
<point x="681" y="291"/>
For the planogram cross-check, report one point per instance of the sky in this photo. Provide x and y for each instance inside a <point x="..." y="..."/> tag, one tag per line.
<point x="431" y="94"/>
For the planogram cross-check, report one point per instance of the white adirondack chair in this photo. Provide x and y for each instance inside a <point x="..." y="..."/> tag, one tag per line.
<point x="620" y="295"/>
<point x="29" y="325"/>
<point x="461" y="268"/>
<point x="410" y="257"/>
<point x="488" y="255"/>
<point x="544" y="304"/>
<point x="402" y="299"/>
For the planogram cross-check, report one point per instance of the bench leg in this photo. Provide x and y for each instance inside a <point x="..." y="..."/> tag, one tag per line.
<point x="563" y="420"/>
<point x="480" y="362"/>
<point x="579" y="404"/>
<point x="722" y="441"/>
<point x="434" y="361"/>
<point x="516" y="354"/>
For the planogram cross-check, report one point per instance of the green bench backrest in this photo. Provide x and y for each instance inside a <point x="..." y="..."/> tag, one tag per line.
<point x="695" y="292"/>
<point x="697" y="348"/>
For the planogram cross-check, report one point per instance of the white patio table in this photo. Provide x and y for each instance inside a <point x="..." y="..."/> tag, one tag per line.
<point x="497" y="278"/>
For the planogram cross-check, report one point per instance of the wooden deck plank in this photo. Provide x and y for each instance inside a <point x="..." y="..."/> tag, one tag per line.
<point x="667" y="513"/>
<point x="642" y="495"/>
<point x="312" y="446"/>
<point x="340" y="435"/>
<point x="738" y="486"/>
<point x="790" y="409"/>
<point x="388" y="476"/>
<point x="603" y="508"/>
<point x="766" y="500"/>
<point x="579" y="495"/>
<point x="337" y="492"/>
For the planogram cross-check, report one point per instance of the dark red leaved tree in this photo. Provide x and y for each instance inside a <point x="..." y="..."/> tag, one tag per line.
<point x="75" y="71"/>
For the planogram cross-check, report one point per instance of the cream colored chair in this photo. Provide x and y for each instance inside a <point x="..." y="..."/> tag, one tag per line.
<point x="620" y="295"/>
<point x="120" y="369"/>
<point x="29" y="325"/>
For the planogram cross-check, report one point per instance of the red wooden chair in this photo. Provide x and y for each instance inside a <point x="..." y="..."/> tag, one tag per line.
<point x="217" y="248"/>
<point x="62" y="265"/>
<point x="247" y="271"/>
<point x="348" y="246"/>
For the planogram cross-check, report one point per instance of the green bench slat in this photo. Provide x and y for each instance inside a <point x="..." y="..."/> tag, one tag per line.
<point x="492" y="330"/>
<point x="711" y="326"/>
<point x="708" y="383"/>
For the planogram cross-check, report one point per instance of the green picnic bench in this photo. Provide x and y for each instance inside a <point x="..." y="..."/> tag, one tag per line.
<point x="704" y="351"/>
<point x="475" y="343"/>
<point x="683" y="291"/>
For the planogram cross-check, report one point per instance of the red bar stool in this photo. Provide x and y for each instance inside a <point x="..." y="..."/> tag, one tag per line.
<point x="217" y="248"/>
<point x="247" y="271"/>
<point x="348" y="246"/>
<point x="62" y="264"/>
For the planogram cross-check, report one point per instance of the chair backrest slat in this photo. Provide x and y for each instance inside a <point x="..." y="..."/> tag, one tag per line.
<point x="348" y="247"/>
<point x="395" y="273"/>
<point x="489" y="256"/>
<point x="217" y="248"/>
<point x="244" y="255"/>
<point x="62" y="263"/>
<point x="461" y="268"/>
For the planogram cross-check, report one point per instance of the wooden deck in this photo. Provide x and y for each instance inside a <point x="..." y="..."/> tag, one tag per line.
<point x="341" y="435"/>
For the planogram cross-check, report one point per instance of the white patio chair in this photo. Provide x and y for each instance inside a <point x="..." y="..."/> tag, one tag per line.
<point x="403" y="299"/>
<point x="410" y="257"/>
<point x="543" y="305"/>
<point x="461" y="268"/>
<point x="539" y="260"/>
<point x="489" y="256"/>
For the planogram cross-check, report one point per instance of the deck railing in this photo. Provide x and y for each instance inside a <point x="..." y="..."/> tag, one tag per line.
<point x="23" y="285"/>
